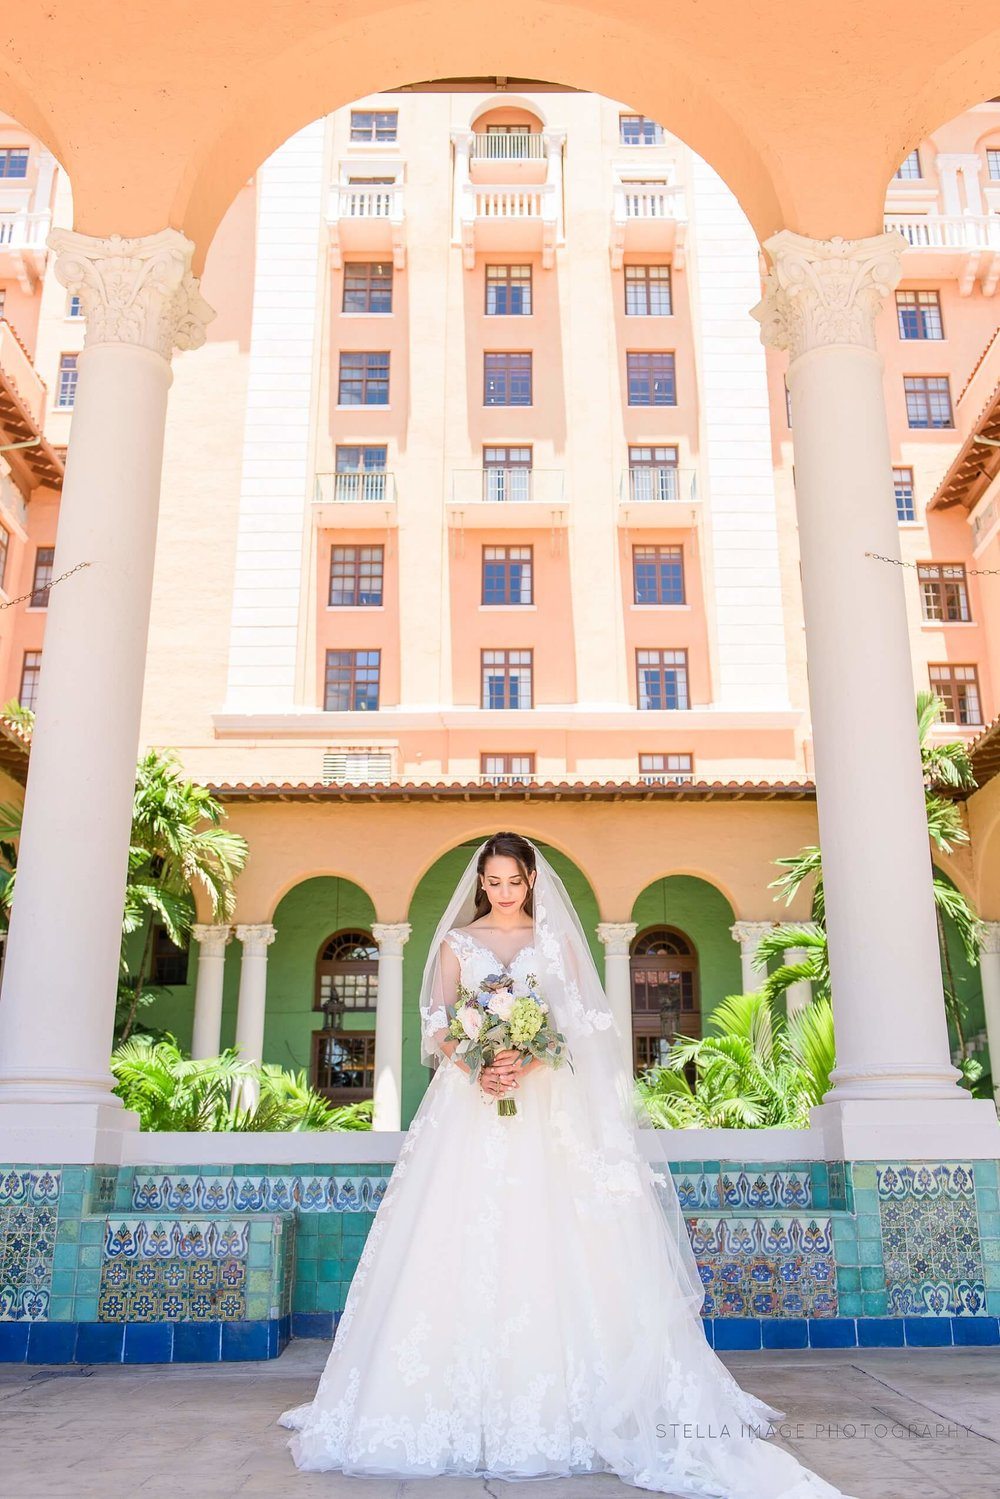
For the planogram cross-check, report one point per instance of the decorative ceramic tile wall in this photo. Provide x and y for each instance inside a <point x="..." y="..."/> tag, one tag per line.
<point x="766" y="1267"/>
<point x="309" y="1193"/>
<point x="28" y="1219"/>
<point x="931" y="1248"/>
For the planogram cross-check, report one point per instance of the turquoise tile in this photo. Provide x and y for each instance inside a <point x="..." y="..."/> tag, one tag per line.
<point x="327" y="1270"/>
<point x="863" y="1175"/>
<point x="870" y="1252"/>
<point x="991" y="1249"/>
<point x="875" y="1303"/>
<point x="61" y="1309"/>
<point x="67" y="1231"/>
<point x="987" y="1200"/>
<point x="327" y="1297"/>
<point x="869" y="1226"/>
<point x="63" y="1282"/>
<point x="850" y="1304"/>
<point x="85" y="1308"/>
<point x="64" y="1256"/>
<point x="847" y="1252"/>
<point x="88" y="1281"/>
<point x="984" y="1174"/>
<point x="90" y="1255"/>
<point x="304" y="1298"/>
<point x="92" y="1231"/>
<point x="873" y="1278"/>
<point x="848" y="1279"/>
<point x="259" y="1254"/>
<point x="993" y="1301"/>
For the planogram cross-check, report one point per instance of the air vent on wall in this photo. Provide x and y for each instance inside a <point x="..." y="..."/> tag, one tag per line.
<point x="356" y="765"/>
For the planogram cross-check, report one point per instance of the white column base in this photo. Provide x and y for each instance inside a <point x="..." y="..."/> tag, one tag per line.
<point x="75" y="1134"/>
<point x="907" y="1129"/>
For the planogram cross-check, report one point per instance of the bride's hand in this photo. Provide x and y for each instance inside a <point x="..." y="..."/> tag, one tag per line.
<point x="501" y="1075"/>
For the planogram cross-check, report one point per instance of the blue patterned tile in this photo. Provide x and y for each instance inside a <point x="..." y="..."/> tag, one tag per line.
<point x="28" y="1230"/>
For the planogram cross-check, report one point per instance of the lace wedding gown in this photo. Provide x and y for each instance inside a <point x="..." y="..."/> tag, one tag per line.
<point x="498" y="1325"/>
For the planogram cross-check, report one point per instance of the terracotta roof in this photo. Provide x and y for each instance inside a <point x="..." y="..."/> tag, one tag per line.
<point x="984" y="752"/>
<point x="548" y="791"/>
<point x="14" y="747"/>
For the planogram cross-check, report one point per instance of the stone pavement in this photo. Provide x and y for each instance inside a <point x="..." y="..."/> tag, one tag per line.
<point x="880" y="1423"/>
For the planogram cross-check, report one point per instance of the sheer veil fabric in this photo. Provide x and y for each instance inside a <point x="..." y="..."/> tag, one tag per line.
<point x="526" y="1303"/>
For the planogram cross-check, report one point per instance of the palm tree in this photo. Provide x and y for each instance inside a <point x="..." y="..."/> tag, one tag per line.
<point x="178" y="844"/>
<point x="754" y="1071"/>
<point x="944" y="765"/>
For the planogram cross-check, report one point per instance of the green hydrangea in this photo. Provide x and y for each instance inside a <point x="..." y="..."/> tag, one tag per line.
<point x="526" y="1020"/>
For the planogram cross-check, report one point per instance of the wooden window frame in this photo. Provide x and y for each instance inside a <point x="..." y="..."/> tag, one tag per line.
<point x="507" y="549"/>
<point x="507" y="664"/>
<point x="355" y="681"/>
<point x="899" y="483"/>
<point x="646" y="282"/>
<point x="508" y="376"/>
<point x="368" y="288"/>
<point x="368" y="376"/>
<point x="509" y="284"/>
<point x="948" y="687"/>
<point x="663" y="666"/>
<point x="949" y="588"/>
<point x="647" y="368"/>
<point x="357" y="601"/>
<point x="661" y="551"/>
<point x="915" y="300"/>
<point x="925" y="392"/>
<point x="508" y="773"/>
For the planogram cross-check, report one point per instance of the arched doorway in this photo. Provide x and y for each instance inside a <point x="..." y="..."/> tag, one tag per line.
<point x="666" y="995"/>
<point x="342" y="1062"/>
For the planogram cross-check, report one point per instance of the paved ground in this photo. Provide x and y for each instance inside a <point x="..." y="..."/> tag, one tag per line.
<point x="205" y="1431"/>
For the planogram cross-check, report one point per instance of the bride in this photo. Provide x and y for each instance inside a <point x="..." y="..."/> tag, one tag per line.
<point x="526" y="1304"/>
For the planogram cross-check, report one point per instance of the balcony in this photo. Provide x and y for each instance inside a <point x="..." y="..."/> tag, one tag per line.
<point x="22" y="410"/>
<point x="517" y="156"/>
<point x="355" y="500"/>
<point x="23" y="251"/>
<point x="658" y="497"/>
<point x="508" y="220"/>
<point x="961" y="247"/>
<point x="507" y="498"/>
<point x="367" y="218"/>
<point x="648" y="218"/>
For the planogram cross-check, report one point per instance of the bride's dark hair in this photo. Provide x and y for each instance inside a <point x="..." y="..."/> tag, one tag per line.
<point x="505" y="846"/>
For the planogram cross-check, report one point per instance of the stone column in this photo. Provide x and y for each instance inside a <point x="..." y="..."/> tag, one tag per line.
<point x="388" y="1090"/>
<point x="748" y="934"/>
<point x="616" y="938"/>
<point x="894" y="1089"/>
<point x="462" y="141"/>
<point x="205" y="1035"/>
<point x="989" y="970"/>
<point x="57" y="1014"/>
<point x="252" y="1005"/>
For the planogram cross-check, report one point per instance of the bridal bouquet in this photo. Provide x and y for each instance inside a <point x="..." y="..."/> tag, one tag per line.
<point x="504" y="1016"/>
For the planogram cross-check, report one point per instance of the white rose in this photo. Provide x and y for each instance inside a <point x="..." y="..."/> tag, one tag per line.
<point x="501" y="1003"/>
<point x="472" y="1021"/>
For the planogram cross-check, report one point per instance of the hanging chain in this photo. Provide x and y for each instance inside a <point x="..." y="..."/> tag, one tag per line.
<point x="9" y="604"/>
<point x="970" y="572"/>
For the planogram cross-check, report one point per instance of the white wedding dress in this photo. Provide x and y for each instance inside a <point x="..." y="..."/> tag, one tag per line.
<point x="509" y="1318"/>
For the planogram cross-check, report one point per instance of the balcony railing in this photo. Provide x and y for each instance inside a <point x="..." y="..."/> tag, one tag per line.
<point x="369" y="487"/>
<point x="513" y="146"/>
<point x="486" y="201"/>
<point x="642" y="201"/>
<point x="23" y="230"/>
<point x="666" y="484"/>
<point x="356" y="201"/>
<point x="961" y="232"/>
<point x="490" y="486"/>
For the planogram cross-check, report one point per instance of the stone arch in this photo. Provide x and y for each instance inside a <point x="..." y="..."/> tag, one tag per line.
<point x="697" y="908"/>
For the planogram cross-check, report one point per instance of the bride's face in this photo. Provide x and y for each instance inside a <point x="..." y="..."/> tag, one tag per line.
<point x="505" y="885"/>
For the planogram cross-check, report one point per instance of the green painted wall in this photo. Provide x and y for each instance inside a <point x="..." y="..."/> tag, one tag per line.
<point x="704" y="915"/>
<point x="968" y="981"/>
<point x="426" y="909"/>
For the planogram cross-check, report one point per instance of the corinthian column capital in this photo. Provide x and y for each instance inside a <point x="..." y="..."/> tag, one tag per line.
<point x="616" y="937"/>
<point x="134" y="291"/>
<point x="826" y="291"/>
<point x="256" y="939"/>
<point x="391" y="937"/>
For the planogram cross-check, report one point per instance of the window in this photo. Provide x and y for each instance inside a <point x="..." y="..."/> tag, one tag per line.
<point x="507" y="380"/>
<point x="665" y="1002"/>
<point x="367" y="286"/>
<point x="66" y="387"/>
<point x="647" y="291"/>
<point x="958" y="689"/>
<point x="14" y="161"/>
<point x="507" y="767"/>
<point x="652" y="473"/>
<point x="662" y="679"/>
<point x="374" y="124"/>
<point x="919" y="314"/>
<point x="74" y="307"/>
<point x="3" y="299"/>
<point x="651" y="380"/>
<point x="910" y="168"/>
<point x="360" y="473"/>
<point x="666" y="767"/>
<point x="658" y="574"/>
<point x="902" y="483"/>
<point x="346" y="974"/>
<point x="31" y="667"/>
<point x="352" y="681"/>
<point x="43" y="577"/>
<point x="343" y="1065"/>
<point x="943" y="592"/>
<point x="638" y="130"/>
<point x="364" y="380"/>
<point x="507" y="575"/>
<point x="170" y="963"/>
<point x="4" y="552"/>
<point x="993" y="163"/>
<point x="356" y="576"/>
<point x="506" y="679"/>
<point x="928" y="401"/>
<point x="508" y="290"/>
<point x="506" y="474"/>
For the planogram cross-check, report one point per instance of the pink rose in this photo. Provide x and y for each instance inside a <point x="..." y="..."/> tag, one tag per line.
<point x="472" y="1021"/>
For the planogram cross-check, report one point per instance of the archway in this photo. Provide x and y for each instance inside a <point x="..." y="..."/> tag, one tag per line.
<point x="695" y="915"/>
<point x="666" y="993"/>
